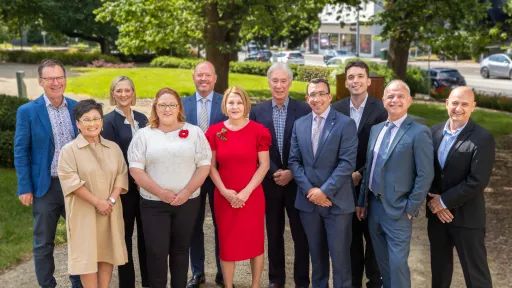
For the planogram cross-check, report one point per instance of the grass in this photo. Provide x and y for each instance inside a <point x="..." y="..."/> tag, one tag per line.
<point x="96" y="82"/>
<point x="16" y="223"/>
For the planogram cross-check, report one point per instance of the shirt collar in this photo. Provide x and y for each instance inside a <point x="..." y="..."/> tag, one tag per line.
<point x="362" y="104"/>
<point x="209" y="97"/>
<point x="324" y="114"/>
<point x="82" y="142"/>
<point x="446" y="129"/>
<point x="49" y="103"/>
<point x="285" y="105"/>
<point x="399" y="121"/>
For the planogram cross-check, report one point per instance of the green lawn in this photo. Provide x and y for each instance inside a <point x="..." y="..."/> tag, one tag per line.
<point x="96" y="82"/>
<point x="16" y="223"/>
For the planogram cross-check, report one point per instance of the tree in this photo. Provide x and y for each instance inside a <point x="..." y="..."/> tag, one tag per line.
<point x="218" y="25"/>
<point x="453" y="24"/>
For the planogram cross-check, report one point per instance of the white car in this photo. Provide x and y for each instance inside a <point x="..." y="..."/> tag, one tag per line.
<point x="290" y="57"/>
<point x="497" y="65"/>
<point x="338" y="61"/>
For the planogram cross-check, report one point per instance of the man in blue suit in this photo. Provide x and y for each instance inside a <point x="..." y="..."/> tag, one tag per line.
<point x="322" y="159"/>
<point x="278" y="115"/>
<point x="204" y="109"/>
<point x="43" y="127"/>
<point x="399" y="171"/>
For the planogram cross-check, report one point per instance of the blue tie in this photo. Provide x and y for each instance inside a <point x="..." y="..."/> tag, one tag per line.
<point x="381" y="157"/>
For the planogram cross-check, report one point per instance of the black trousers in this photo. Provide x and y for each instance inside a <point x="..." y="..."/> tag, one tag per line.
<point x="131" y="214"/>
<point x="167" y="233"/>
<point x="470" y="245"/>
<point x="363" y="257"/>
<point x="278" y="199"/>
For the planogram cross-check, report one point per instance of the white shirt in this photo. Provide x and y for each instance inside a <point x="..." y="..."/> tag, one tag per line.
<point x="357" y="114"/>
<point x="379" y="140"/>
<point x="168" y="159"/>
<point x="324" y="116"/>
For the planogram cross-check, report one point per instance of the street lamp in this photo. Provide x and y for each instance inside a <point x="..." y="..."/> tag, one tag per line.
<point x="44" y="37"/>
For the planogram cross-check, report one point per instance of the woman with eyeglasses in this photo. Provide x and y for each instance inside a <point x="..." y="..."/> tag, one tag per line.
<point x="170" y="160"/>
<point x="120" y="126"/>
<point x="93" y="174"/>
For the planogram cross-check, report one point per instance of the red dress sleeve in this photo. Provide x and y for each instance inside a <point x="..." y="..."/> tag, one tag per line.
<point x="210" y="136"/>
<point x="264" y="139"/>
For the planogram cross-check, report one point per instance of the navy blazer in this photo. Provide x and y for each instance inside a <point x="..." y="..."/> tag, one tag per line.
<point x="190" y="107"/>
<point x="407" y="172"/>
<point x="263" y="114"/>
<point x="332" y="166"/>
<point x="34" y="146"/>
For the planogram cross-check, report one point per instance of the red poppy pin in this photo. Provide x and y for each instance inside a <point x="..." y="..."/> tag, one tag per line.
<point x="183" y="133"/>
<point x="222" y="134"/>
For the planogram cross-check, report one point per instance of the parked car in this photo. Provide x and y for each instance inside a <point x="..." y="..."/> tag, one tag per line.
<point x="260" y="56"/>
<point x="499" y="65"/>
<point x="338" y="60"/>
<point x="290" y="57"/>
<point x="442" y="78"/>
<point x="328" y="54"/>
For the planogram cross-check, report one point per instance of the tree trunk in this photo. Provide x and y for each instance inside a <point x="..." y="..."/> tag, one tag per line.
<point x="105" y="48"/>
<point x="221" y="63"/>
<point x="398" y="56"/>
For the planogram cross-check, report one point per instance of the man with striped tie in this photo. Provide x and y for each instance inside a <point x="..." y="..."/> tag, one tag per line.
<point x="203" y="109"/>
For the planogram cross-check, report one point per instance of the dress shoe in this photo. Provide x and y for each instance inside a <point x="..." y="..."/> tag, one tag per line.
<point x="274" y="285"/>
<point x="196" y="280"/>
<point x="219" y="280"/>
<point x="296" y="286"/>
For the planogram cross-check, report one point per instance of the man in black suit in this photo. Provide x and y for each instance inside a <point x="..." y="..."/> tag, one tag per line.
<point x="464" y="157"/>
<point x="366" y="112"/>
<point x="278" y="115"/>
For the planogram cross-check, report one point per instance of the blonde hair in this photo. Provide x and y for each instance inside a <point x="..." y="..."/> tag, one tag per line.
<point x="153" y="121"/>
<point x="113" y="87"/>
<point x="240" y="92"/>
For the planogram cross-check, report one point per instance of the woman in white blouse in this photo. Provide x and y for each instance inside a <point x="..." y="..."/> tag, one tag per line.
<point x="169" y="159"/>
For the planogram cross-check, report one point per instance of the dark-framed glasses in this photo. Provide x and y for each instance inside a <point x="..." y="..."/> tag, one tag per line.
<point x="92" y="121"/>
<point x="163" y="106"/>
<point x="318" y="94"/>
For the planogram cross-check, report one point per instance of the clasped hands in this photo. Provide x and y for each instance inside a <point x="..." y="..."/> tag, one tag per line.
<point x="103" y="207"/>
<point x="318" y="197"/>
<point x="444" y="215"/>
<point x="175" y="199"/>
<point x="282" y="177"/>
<point x="237" y="200"/>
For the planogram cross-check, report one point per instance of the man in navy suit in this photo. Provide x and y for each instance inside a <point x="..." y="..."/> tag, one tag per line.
<point x="399" y="171"/>
<point x="278" y="115"/>
<point x="366" y="112"/>
<point x="203" y="109"/>
<point x="322" y="159"/>
<point x="43" y="127"/>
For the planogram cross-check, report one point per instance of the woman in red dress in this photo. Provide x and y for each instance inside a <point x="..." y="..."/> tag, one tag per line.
<point x="240" y="160"/>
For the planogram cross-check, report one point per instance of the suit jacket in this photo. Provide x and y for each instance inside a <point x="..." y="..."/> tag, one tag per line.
<point x="34" y="146"/>
<point x="190" y="107"/>
<point x="373" y="113"/>
<point x="407" y="172"/>
<point x="462" y="180"/>
<point x="263" y="113"/>
<point x="330" y="169"/>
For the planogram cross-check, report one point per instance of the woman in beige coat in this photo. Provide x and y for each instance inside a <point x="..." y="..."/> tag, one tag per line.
<point x="93" y="174"/>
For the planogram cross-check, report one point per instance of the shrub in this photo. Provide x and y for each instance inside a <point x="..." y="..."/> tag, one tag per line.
<point x="173" y="62"/>
<point x="306" y="73"/>
<point x="252" y="68"/>
<point x="8" y="107"/>
<point x="103" y="64"/>
<point x="7" y="149"/>
<point x="35" y="57"/>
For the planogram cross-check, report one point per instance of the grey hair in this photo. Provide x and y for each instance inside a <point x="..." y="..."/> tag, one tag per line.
<point x="280" y="66"/>
<point x="398" y="81"/>
<point x="114" y="84"/>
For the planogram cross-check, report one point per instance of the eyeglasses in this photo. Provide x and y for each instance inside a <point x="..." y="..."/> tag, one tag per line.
<point x="93" y="121"/>
<point x="318" y="94"/>
<point x="171" y="106"/>
<point x="59" y="79"/>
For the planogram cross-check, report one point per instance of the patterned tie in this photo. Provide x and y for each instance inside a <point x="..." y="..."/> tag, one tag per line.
<point x="381" y="157"/>
<point x="316" y="133"/>
<point x="203" y="120"/>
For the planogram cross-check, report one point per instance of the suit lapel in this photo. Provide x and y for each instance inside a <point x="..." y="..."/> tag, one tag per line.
<point x="214" y="112"/>
<point x="399" y="134"/>
<point x="42" y="112"/>
<point x="193" y="109"/>
<point x="328" y="125"/>
<point x="73" y="121"/>
<point x="366" y="113"/>
<point x="307" y="133"/>
<point x="345" y="106"/>
<point x="460" y="139"/>
<point x="270" y="121"/>
<point x="288" y="128"/>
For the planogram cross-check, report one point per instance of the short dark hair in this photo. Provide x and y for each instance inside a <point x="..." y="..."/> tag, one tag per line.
<point x="85" y="106"/>
<point x="49" y="63"/>
<point x="358" y="63"/>
<point x="316" y="81"/>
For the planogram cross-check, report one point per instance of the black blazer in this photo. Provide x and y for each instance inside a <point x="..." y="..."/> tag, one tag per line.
<point x="373" y="113"/>
<point x="115" y="130"/>
<point x="262" y="113"/>
<point x="465" y="175"/>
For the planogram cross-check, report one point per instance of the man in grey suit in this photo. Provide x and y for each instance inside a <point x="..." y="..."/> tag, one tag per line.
<point x="203" y="109"/>
<point x="400" y="170"/>
<point x="322" y="158"/>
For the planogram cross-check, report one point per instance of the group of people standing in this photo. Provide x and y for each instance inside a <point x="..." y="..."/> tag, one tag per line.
<point x="357" y="169"/>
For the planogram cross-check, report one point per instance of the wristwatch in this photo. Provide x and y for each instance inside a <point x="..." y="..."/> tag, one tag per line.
<point x="111" y="200"/>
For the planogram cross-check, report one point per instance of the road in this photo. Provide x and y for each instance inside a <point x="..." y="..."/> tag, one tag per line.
<point x="470" y="71"/>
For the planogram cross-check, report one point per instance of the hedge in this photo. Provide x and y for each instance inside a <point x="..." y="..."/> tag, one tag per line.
<point x="35" y="57"/>
<point x="8" y="107"/>
<point x="496" y="102"/>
